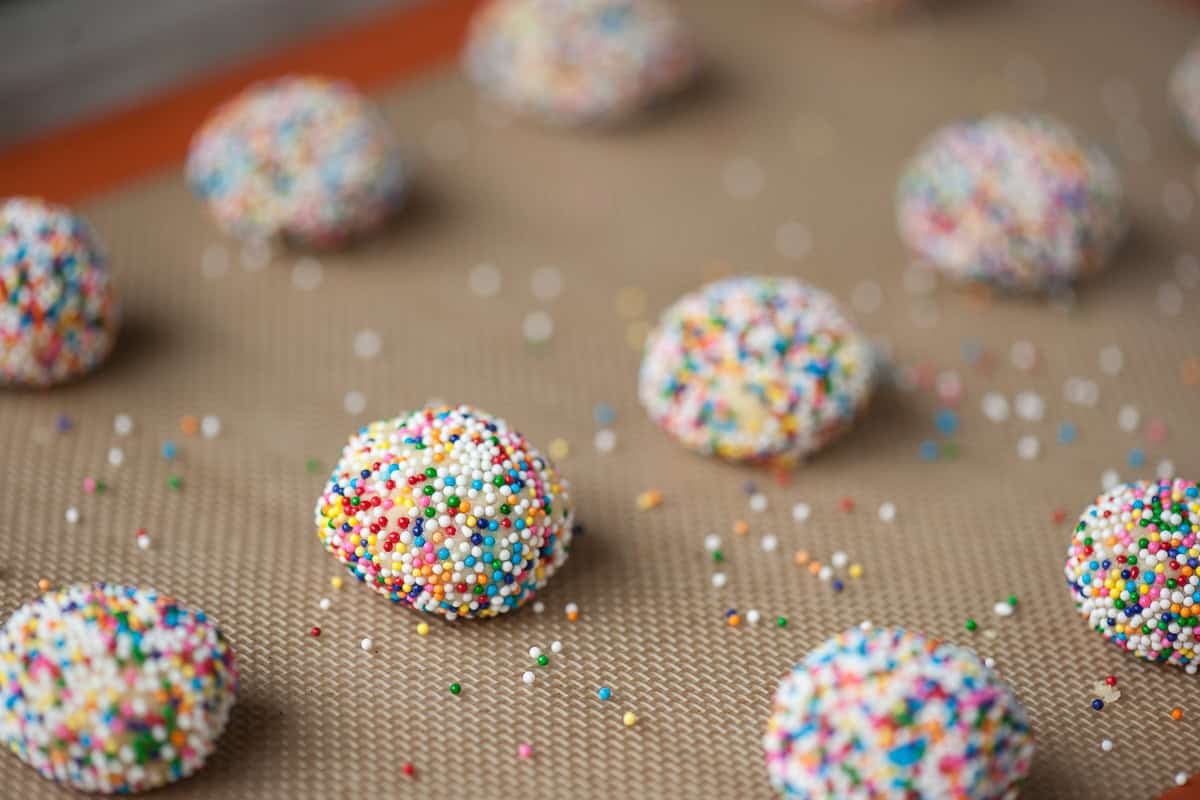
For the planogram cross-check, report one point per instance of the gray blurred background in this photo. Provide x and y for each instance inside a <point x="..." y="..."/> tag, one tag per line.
<point x="66" y="60"/>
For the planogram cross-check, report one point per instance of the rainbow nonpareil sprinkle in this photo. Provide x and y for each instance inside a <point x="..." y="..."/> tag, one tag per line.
<point x="756" y="369"/>
<point x="1132" y="569"/>
<point x="446" y="510"/>
<point x="577" y="62"/>
<point x="58" y="311"/>
<point x="886" y="713"/>
<point x="113" y="689"/>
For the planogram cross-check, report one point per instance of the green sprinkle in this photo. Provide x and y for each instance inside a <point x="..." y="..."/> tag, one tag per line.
<point x="543" y="660"/>
<point x="312" y="465"/>
<point x="175" y="482"/>
<point x="781" y="622"/>
<point x="455" y="689"/>
<point x="972" y="624"/>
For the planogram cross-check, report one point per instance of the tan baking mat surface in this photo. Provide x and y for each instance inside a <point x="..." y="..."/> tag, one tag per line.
<point x="828" y="114"/>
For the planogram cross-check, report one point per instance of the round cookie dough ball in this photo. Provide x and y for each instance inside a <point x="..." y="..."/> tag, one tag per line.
<point x="446" y="510"/>
<point x="113" y="689"/>
<point x="580" y="62"/>
<point x="1016" y="201"/>
<point x="58" y="312"/>
<point x="1184" y="89"/>
<point x="885" y="713"/>
<point x="755" y="369"/>
<point x="308" y="159"/>
<point x="1131" y="568"/>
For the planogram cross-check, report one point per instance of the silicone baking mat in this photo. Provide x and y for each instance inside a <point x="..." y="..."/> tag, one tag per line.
<point x="783" y="161"/>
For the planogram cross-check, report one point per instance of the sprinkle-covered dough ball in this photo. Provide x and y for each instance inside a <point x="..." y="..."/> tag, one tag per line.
<point x="755" y="369"/>
<point x="885" y="713"/>
<point x="1184" y="89"/>
<point x="58" y="312"/>
<point x="446" y="510"/>
<point x="1132" y="569"/>
<point x="1017" y="201"/>
<point x="308" y="159"/>
<point x="113" y="689"/>
<point x="580" y="61"/>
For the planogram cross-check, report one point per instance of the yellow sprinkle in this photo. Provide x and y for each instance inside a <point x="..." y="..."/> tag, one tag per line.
<point x="651" y="498"/>
<point x="630" y="719"/>
<point x="855" y="570"/>
<point x="422" y="628"/>
<point x="336" y="581"/>
<point x="558" y="449"/>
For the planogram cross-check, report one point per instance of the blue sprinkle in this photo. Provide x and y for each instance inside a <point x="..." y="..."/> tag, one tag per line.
<point x="1066" y="433"/>
<point x="929" y="450"/>
<point x="947" y="421"/>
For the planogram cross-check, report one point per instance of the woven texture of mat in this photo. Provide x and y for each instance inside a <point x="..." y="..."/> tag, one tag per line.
<point x="825" y="115"/>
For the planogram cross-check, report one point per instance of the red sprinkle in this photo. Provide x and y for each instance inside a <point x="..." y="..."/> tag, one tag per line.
<point x="314" y="631"/>
<point x="408" y="769"/>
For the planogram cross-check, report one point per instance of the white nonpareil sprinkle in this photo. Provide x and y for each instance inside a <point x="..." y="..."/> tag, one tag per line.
<point x="743" y="177"/>
<point x="528" y="678"/>
<point x="1002" y="609"/>
<point x="1128" y="418"/>
<point x="116" y="456"/>
<point x="123" y="425"/>
<point x="538" y="606"/>
<point x="72" y="515"/>
<point x="825" y="573"/>
<point x="143" y="541"/>
<point x="306" y="274"/>
<point x="325" y="604"/>
<point x="712" y="542"/>
<point x="801" y="512"/>
<point x="995" y="407"/>
<point x="1023" y="355"/>
<point x="354" y="402"/>
<point x="534" y="652"/>
<point x="719" y="579"/>
<point x="1028" y="447"/>
<point x="367" y="344"/>
<point x="752" y="616"/>
<point x="366" y="645"/>
<point x="1111" y="360"/>
<point x="546" y="283"/>
<point x="537" y="326"/>
<point x="605" y="441"/>
<point x="1165" y="469"/>
<point x="210" y="427"/>
<point x="1030" y="406"/>
<point x="556" y="646"/>
<point x="1109" y="479"/>
<point x="484" y="280"/>
<point x="839" y="559"/>
<point x="769" y="543"/>
<point x="1106" y="745"/>
<point x="887" y="511"/>
<point x="758" y="502"/>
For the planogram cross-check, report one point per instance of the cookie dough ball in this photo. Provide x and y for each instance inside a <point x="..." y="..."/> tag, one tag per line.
<point x="1131" y="568"/>
<point x="307" y="159"/>
<point x="755" y="369"/>
<point x="58" y="312"/>
<point x="578" y="62"/>
<point x="1016" y="201"/>
<point x="113" y="689"/>
<point x="890" y="714"/>
<point x="1184" y="89"/>
<point x="446" y="510"/>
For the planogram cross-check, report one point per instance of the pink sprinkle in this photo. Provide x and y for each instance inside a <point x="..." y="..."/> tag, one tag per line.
<point x="524" y="751"/>
<point x="1156" y="431"/>
<point x="89" y="484"/>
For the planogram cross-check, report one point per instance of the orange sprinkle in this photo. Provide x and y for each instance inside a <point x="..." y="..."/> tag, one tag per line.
<point x="734" y="620"/>
<point x="801" y="558"/>
<point x="188" y="425"/>
<point x="1176" y="713"/>
<point x="44" y="585"/>
<point x="741" y="527"/>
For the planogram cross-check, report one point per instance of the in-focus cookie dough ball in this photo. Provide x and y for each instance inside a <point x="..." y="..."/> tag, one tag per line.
<point x="308" y="159"/>
<point x="579" y="62"/>
<point x="755" y="369"/>
<point x="1017" y="201"/>
<point x="446" y="510"/>
<point x="1184" y="89"/>
<point x="58" y="312"/>
<point x="1131" y="568"/>
<point x="113" y="689"/>
<point x="884" y="713"/>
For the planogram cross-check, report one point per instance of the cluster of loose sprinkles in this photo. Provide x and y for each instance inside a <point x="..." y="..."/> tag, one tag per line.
<point x="58" y="311"/>
<point x="579" y="62"/>
<point x="755" y="369"/>
<point x="1018" y="201"/>
<point x="880" y="711"/>
<point x="446" y="510"/>
<point x="113" y="689"/>
<point x="1132" y="568"/>
<point x="305" y="158"/>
